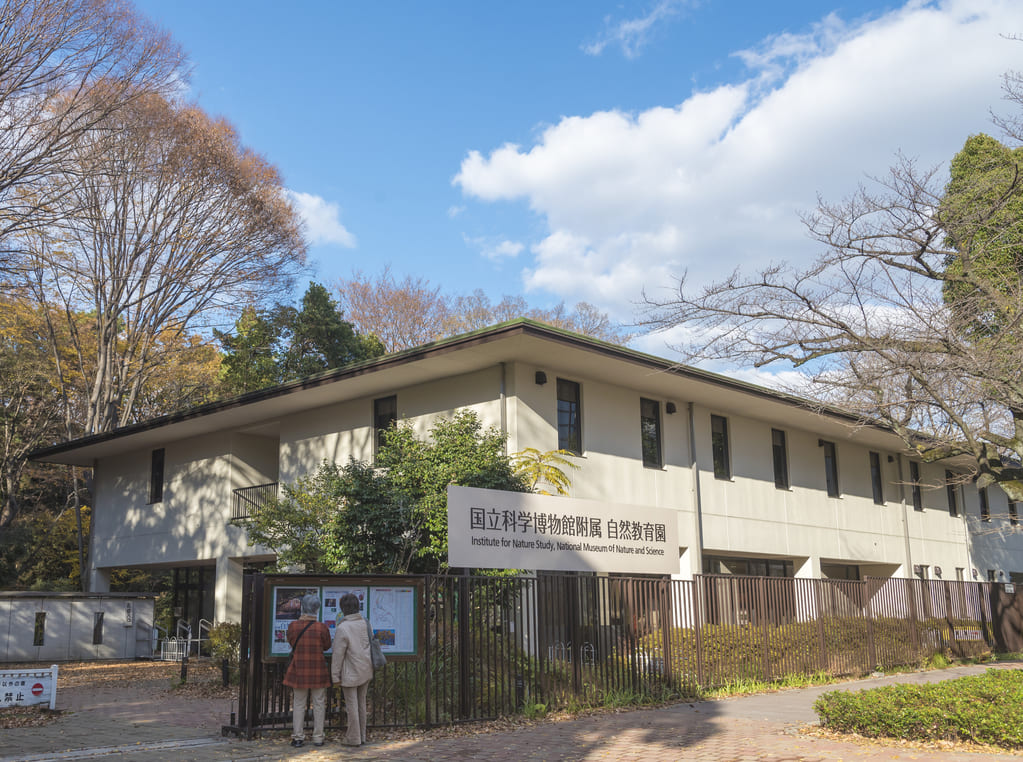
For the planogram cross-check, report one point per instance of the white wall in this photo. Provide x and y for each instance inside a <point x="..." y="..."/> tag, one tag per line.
<point x="68" y="631"/>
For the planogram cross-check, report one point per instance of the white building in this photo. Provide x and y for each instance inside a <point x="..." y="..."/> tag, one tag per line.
<point x="760" y="483"/>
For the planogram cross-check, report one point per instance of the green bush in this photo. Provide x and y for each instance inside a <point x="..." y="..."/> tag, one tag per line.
<point x="225" y="639"/>
<point x="986" y="709"/>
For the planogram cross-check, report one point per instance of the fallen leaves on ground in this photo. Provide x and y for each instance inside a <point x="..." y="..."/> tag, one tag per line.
<point x="203" y="680"/>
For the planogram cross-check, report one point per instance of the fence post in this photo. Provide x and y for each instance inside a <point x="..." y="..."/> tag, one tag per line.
<point x="463" y="645"/>
<point x="697" y="609"/>
<point x="765" y="658"/>
<point x="868" y="613"/>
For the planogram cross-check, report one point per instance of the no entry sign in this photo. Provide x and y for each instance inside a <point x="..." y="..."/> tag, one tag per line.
<point x="26" y="687"/>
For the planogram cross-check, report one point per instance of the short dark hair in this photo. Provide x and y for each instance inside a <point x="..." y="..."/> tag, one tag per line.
<point x="349" y="604"/>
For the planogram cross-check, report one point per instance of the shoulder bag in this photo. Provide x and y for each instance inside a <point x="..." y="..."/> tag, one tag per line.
<point x="376" y="653"/>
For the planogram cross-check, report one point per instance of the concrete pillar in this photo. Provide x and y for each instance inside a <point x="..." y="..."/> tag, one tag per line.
<point x="99" y="580"/>
<point x="686" y="561"/>
<point x="228" y="591"/>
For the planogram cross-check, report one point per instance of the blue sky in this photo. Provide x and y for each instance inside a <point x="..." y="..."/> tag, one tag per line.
<point x="586" y="150"/>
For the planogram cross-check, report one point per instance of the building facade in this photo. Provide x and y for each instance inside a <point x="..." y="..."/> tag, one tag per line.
<point x="760" y="482"/>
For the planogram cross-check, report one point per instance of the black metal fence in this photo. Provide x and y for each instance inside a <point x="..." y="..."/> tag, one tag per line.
<point x="496" y="645"/>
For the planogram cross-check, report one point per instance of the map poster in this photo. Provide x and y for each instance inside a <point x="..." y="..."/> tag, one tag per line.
<point x="392" y="615"/>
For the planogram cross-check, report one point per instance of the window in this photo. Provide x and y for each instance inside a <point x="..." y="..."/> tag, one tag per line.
<point x="950" y="488"/>
<point x="876" y="478"/>
<point x="97" y="628"/>
<point x="570" y="424"/>
<point x="1013" y="513"/>
<point x="990" y="575"/>
<point x="781" y="459"/>
<point x="960" y="573"/>
<point x="914" y="477"/>
<point x="39" y="632"/>
<point x="719" y="447"/>
<point x="650" y="432"/>
<point x="385" y="415"/>
<point x="985" y="508"/>
<point x="156" y="477"/>
<point x="920" y="570"/>
<point x="830" y="467"/>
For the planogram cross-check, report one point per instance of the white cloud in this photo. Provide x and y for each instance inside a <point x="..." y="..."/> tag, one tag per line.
<point x="454" y="211"/>
<point x="632" y="34"/>
<point x="496" y="250"/>
<point x="716" y="182"/>
<point x="322" y="220"/>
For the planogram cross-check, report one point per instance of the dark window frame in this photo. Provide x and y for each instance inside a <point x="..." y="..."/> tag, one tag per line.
<point x="157" y="471"/>
<point x="876" y="478"/>
<point x="916" y="491"/>
<point x="39" y="629"/>
<point x="650" y="433"/>
<point x="385" y="415"/>
<point x="719" y="447"/>
<point x="780" y="458"/>
<point x="97" y="628"/>
<point x="951" y="484"/>
<point x="985" y="506"/>
<point x="831" y="468"/>
<point x="570" y="416"/>
<point x="1013" y="513"/>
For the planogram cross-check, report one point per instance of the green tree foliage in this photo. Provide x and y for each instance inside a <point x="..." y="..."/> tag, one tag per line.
<point x="539" y="468"/>
<point x="387" y="517"/>
<point x="982" y="212"/>
<point x="285" y="343"/>
<point x="459" y="451"/>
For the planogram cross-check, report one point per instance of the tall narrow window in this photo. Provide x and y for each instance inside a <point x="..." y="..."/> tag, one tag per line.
<point x="830" y="468"/>
<point x="156" y="477"/>
<point x="914" y="477"/>
<point x="1013" y="513"/>
<point x="39" y="632"/>
<point x="570" y="417"/>
<point x="985" y="508"/>
<point x="650" y="432"/>
<point x="385" y="415"/>
<point x="950" y="489"/>
<point x="97" y="628"/>
<point x="876" y="478"/>
<point x="719" y="447"/>
<point x="781" y="459"/>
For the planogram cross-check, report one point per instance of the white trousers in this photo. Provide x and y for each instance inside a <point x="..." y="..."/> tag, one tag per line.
<point x="319" y="702"/>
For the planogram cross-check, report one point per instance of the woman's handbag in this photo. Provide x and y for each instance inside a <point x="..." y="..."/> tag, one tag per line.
<point x="376" y="653"/>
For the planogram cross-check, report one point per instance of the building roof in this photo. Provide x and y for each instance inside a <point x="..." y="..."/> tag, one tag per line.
<point x="521" y="341"/>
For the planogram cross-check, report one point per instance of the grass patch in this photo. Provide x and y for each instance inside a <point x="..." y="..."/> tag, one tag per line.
<point x="984" y="709"/>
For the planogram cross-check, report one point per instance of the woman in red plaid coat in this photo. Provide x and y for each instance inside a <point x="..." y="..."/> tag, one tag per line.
<point x="307" y="674"/>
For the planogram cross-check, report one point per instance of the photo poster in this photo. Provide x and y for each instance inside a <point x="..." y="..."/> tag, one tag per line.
<point x="392" y="610"/>
<point x="285" y="608"/>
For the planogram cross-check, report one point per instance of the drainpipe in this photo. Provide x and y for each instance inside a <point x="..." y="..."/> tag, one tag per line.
<point x="697" y="500"/>
<point x="504" y="405"/>
<point x="905" y="519"/>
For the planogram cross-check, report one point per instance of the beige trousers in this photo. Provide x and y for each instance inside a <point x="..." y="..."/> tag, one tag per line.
<point x="355" y="706"/>
<point x="319" y="702"/>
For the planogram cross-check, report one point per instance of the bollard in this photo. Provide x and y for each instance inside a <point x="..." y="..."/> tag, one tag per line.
<point x="225" y="672"/>
<point x="184" y="667"/>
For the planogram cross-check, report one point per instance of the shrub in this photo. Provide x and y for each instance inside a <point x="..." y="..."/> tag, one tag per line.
<point x="986" y="709"/>
<point x="225" y="639"/>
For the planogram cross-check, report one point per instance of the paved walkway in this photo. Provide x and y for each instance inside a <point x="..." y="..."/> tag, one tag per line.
<point x="126" y="723"/>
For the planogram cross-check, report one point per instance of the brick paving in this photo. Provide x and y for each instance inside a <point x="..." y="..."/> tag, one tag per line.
<point x="126" y="723"/>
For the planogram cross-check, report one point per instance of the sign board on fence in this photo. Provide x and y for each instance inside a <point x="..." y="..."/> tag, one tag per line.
<point x="493" y="529"/>
<point x="391" y="604"/>
<point x="27" y="687"/>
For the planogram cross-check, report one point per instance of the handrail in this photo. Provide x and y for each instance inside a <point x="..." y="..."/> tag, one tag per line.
<point x="248" y="500"/>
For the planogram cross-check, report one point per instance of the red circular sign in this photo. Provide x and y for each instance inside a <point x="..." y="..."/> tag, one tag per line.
<point x="37" y="689"/>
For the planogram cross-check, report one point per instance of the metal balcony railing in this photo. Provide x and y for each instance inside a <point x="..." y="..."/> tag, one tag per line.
<point x="248" y="500"/>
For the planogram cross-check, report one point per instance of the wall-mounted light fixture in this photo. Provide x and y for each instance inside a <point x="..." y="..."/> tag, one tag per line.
<point x="669" y="408"/>
<point x="541" y="378"/>
<point x="891" y="458"/>
<point x="820" y="442"/>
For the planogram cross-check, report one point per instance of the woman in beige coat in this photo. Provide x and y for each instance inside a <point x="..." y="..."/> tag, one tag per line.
<point x="352" y="667"/>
